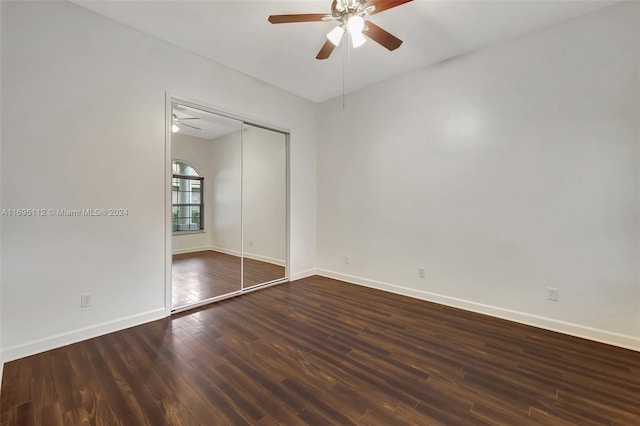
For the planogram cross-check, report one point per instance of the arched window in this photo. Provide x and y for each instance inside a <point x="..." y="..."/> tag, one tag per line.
<point x="187" y="202"/>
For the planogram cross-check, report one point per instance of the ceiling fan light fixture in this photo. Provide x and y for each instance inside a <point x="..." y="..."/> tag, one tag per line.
<point x="357" y="39"/>
<point x="355" y="24"/>
<point x="351" y="16"/>
<point x="174" y="128"/>
<point x="335" y="35"/>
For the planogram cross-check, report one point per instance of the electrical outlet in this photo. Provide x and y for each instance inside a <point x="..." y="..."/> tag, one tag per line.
<point x="346" y="260"/>
<point x="250" y="243"/>
<point x="552" y="294"/>
<point x="421" y="272"/>
<point x="85" y="300"/>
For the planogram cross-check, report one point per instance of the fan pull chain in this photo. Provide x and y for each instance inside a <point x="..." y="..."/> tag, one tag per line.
<point x="344" y="71"/>
<point x="346" y="58"/>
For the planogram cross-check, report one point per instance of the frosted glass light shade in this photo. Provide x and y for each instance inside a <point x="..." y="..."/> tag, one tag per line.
<point x="357" y="39"/>
<point x="355" y="24"/>
<point x="335" y="35"/>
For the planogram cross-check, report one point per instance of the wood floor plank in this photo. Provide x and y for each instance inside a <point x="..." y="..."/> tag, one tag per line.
<point x="112" y="403"/>
<point x="137" y="395"/>
<point x="175" y="413"/>
<point x="50" y="415"/>
<point x="319" y="351"/>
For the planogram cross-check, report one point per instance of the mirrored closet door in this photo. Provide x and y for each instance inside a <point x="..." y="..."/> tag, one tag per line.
<point x="264" y="203"/>
<point x="228" y="206"/>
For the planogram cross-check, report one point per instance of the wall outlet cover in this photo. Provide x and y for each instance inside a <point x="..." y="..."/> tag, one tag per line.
<point x="85" y="300"/>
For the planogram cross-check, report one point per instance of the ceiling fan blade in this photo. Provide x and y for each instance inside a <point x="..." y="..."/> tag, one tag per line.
<point x="189" y="125"/>
<point x="382" y="5"/>
<point x="381" y="36"/>
<point x="307" y="17"/>
<point x="326" y="50"/>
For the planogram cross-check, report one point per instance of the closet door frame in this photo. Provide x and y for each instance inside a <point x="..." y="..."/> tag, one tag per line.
<point x="171" y="99"/>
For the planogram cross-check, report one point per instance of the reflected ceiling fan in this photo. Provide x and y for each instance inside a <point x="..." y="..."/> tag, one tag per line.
<point x="350" y="15"/>
<point x="177" y="122"/>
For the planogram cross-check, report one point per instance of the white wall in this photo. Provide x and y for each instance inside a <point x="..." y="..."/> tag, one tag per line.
<point x="226" y="187"/>
<point x="501" y="173"/>
<point x="197" y="152"/>
<point x="83" y="108"/>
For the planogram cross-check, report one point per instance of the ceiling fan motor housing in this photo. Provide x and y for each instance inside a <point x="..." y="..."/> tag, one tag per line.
<point x="341" y="9"/>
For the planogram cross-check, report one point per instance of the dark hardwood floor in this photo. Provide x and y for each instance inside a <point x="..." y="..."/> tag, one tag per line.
<point x="257" y="272"/>
<point x="321" y="352"/>
<point x="205" y="274"/>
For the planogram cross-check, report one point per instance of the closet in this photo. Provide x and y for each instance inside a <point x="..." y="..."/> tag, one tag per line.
<point x="228" y="205"/>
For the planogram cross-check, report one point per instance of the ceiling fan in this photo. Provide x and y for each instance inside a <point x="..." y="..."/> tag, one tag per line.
<point x="350" y="15"/>
<point x="178" y="121"/>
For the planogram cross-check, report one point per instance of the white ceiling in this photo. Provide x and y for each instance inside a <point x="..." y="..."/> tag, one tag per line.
<point x="236" y="33"/>
<point x="207" y="125"/>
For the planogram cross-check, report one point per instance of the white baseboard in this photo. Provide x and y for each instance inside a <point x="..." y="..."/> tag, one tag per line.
<point x="303" y="274"/>
<point x="236" y="253"/>
<point x="190" y="250"/>
<point x="52" y="342"/>
<point x="266" y="259"/>
<point x="577" y="330"/>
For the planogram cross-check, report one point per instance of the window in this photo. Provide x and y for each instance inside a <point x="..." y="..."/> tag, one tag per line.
<point x="187" y="202"/>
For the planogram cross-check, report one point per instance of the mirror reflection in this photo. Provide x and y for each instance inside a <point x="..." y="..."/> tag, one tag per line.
<point x="205" y="205"/>
<point x="228" y="206"/>
<point x="264" y="201"/>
